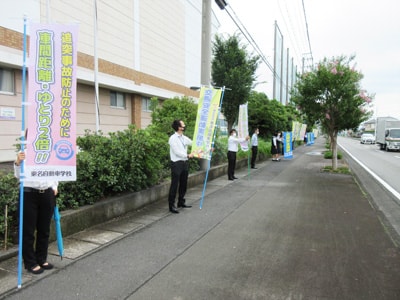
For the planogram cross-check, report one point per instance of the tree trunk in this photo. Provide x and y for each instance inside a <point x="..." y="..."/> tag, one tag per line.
<point x="334" y="151"/>
<point x="229" y="127"/>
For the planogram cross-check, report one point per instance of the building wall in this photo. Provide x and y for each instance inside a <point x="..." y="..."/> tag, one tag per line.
<point x="163" y="39"/>
<point x="114" y="119"/>
<point x="115" y="27"/>
<point x="144" y="48"/>
<point x="10" y="129"/>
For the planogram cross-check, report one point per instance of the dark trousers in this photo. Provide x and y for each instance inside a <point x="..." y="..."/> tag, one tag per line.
<point x="38" y="210"/>
<point x="254" y="151"/>
<point x="231" y="164"/>
<point x="179" y="177"/>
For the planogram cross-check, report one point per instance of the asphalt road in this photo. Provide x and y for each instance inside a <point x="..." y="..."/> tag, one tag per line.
<point x="385" y="165"/>
<point x="287" y="231"/>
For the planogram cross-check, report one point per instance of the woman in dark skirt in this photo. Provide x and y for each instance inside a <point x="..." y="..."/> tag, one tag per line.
<point x="275" y="147"/>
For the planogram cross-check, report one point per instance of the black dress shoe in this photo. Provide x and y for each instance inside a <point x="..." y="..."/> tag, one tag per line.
<point x="253" y="167"/>
<point x="47" y="266"/>
<point x="174" y="210"/>
<point x="235" y="177"/>
<point x="230" y="178"/>
<point x="35" y="270"/>
<point x="184" y="206"/>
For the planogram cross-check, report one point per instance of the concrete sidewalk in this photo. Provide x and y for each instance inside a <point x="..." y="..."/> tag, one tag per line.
<point x="304" y="234"/>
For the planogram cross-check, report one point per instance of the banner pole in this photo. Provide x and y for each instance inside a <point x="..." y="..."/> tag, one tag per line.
<point x="248" y="164"/>
<point x="211" y="150"/>
<point x="22" y="176"/>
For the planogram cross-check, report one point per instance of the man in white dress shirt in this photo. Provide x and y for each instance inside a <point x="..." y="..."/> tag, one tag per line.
<point x="178" y="143"/>
<point x="233" y="142"/>
<point x="254" y="148"/>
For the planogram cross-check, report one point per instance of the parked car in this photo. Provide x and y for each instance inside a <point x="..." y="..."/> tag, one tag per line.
<point x="367" y="138"/>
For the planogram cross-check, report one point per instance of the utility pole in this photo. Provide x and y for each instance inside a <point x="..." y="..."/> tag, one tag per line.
<point x="206" y="43"/>
<point x="205" y="72"/>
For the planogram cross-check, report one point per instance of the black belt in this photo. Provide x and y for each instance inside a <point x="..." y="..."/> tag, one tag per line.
<point x="33" y="190"/>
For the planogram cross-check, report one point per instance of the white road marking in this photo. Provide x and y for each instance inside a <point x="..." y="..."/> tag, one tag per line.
<point x="380" y="180"/>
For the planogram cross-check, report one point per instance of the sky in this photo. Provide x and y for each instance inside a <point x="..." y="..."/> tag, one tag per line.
<point x="368" y="29"/>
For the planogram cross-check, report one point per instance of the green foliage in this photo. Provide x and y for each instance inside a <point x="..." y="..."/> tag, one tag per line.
<point x="264" y="149"/>
<point x="268" y="115"/>
<point x="222" y="149"/>
<point x="162" y="117"/>
<point x="175" y="109"/>
<point x="339" y="170"/>
<point x="9" y="196"/>
<point x="328" y="155"/>
<point x="235" y="69"/>
<point x="332" y="95"/>
<point x="129" y="160"/>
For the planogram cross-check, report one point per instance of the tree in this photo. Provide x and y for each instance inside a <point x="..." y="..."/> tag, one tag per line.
<point x="235" y="69"/>
<point x="162" y="116"/>
<point x="268" y="115"/>
<point x="172" y="109"/>
<point x="331" y="94"/>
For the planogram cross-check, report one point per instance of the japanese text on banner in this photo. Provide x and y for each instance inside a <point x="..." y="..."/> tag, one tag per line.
<point x="288" y="144"/>
<point x="51" y="140"/>
<point x="207" y="113"/>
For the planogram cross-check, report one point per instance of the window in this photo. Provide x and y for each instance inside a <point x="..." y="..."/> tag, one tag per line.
<point x="146" y="104"/>
<point x="117" y="99"/>
<point x="7" y="81"/>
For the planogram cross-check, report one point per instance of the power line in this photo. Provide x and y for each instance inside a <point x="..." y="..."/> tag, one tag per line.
<point x="308" y="35"/>
<point x="248" y="37"/>
<point x="290" y="29"/>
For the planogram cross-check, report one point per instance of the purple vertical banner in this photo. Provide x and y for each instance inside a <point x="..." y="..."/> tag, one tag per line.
<point x="51" y="141"/>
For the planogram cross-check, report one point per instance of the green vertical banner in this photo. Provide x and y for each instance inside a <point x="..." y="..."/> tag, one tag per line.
<point x="302" y="131"/>
<point x="296" y="130"/>
<point x="206" y="121"/>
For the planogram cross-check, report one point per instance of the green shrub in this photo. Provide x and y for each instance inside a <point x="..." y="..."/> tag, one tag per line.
<point x="329" y="155"/>
<point x="221" y="149"/>
<point x="129" y="160"/>
<point x="264" y="149"/>
<point x="9" y="196"/>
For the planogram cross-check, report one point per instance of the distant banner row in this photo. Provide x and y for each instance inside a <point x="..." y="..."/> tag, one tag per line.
<point x="289" y="140"/>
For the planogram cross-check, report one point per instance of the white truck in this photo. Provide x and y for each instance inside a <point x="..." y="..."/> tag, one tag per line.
<point x="388" y="133"/>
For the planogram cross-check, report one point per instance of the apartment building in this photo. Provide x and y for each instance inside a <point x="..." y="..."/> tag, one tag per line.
<point x="142" y="49"/>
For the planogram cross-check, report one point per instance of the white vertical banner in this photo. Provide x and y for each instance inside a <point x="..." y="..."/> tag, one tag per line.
<point x="243" y="123"/>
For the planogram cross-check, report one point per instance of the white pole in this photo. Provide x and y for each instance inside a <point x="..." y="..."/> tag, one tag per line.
<point x="96" y="69"/>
